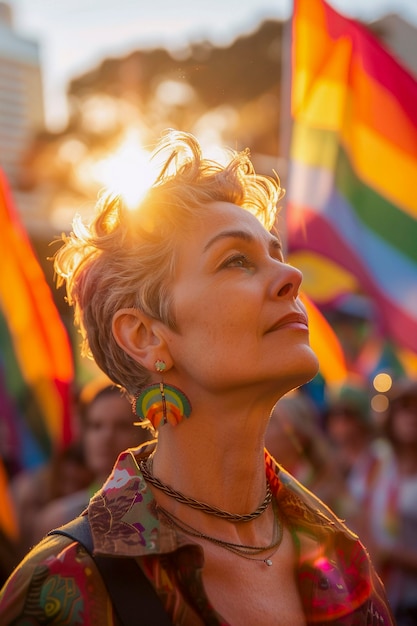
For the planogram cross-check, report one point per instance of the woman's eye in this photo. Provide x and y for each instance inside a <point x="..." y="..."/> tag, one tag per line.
<point x="237" y="260"/>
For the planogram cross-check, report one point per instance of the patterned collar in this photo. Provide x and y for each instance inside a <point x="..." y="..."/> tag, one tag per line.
<point x="123" y="519"/>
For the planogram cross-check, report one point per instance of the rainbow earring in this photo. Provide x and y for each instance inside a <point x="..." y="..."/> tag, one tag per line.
<point x="160" y="403"/>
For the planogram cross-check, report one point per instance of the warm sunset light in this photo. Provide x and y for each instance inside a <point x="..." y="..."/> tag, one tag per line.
<point x="127" y="171"/>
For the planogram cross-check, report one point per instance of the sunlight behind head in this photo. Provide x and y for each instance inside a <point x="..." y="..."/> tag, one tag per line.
<point x="128" y="171"/>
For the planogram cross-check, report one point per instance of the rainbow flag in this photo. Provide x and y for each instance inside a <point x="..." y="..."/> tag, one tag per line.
<point x="36" y="367"/>
<point x="351" y="195"/>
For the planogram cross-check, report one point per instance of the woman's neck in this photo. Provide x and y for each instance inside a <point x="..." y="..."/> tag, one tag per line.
<point x="214" y="461"/>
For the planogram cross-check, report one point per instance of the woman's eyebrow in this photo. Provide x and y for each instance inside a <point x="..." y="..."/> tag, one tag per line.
<point x="229" y="234"/>
<point x="275" y="243"/>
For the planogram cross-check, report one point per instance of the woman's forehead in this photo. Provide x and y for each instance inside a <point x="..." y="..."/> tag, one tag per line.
<point x="225" y="217"/>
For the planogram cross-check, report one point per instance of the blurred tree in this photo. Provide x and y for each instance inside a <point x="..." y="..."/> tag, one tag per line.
<point x="157" y="88"/>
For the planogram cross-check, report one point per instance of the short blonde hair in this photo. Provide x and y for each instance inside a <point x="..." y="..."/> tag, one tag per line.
<point x="127" y="258"/>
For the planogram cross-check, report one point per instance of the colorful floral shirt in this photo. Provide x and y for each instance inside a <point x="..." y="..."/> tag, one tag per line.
<point x="58" y="583"/>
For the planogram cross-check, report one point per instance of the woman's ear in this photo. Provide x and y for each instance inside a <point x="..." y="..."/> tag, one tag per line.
<point x="136" y="333"/>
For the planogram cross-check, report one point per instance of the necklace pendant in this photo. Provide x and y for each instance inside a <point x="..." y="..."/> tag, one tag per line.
<point x="268" y="562"/>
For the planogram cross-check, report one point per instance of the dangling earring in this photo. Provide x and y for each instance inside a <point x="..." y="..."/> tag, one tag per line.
<point x="160" y="403"/>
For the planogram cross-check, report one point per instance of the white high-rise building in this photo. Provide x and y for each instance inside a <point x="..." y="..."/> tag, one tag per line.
<point x="21" y="104"/>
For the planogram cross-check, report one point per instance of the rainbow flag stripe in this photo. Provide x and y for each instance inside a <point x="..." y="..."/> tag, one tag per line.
<point x="36" y="364"/>
<point x="353" y="157"/>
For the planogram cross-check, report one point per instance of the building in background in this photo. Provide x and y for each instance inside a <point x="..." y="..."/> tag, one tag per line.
<point x="21" y="110"/>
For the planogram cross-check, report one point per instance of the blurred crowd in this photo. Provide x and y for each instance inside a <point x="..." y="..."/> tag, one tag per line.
<point x="361" y="464"/>
<point x="60" y="489"/>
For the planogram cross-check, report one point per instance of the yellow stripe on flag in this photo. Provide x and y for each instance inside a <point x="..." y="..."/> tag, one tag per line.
<point x="325" y="344"/>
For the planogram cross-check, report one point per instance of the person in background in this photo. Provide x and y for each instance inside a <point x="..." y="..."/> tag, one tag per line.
<point x="187" y="302"/>
<point x="32" y="491"/>
<point x="391" y="509"/>
<point x="107" y="429"/>
<point x="359" y="448"/>
<point x="295" y="437"/>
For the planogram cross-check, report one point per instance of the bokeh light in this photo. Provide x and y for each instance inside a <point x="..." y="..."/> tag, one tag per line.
<point x="382" y="382"/>
<point x="126" y="171"/>
<point x="379" y="403"/>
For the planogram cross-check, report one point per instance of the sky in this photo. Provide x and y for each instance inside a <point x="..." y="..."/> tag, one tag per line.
<point x="75" y="35"/>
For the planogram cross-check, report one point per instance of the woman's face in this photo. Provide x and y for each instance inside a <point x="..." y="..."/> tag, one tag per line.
<point x="238" y="316"/>
<point x="109" y="430"/>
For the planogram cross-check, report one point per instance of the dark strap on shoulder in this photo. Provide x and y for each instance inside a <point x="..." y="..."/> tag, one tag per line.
<point x="135" y="600"/>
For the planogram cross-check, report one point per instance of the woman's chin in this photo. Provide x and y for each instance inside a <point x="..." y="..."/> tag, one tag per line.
<point x="305" y="369"/>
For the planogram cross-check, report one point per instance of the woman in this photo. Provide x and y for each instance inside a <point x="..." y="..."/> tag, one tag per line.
<point x="190" y="294"/>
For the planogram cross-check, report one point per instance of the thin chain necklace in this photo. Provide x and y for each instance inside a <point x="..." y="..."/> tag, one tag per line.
<point x="146" y="469"/>
<point x="245" y="551"/>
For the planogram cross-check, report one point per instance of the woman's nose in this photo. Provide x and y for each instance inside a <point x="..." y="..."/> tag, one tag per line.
<point x="288" y="281"/>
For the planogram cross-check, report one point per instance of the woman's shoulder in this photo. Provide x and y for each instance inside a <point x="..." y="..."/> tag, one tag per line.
<point x="301" y="507"/>
<point x="56" y="583"/>
<point x="335" y="573"/>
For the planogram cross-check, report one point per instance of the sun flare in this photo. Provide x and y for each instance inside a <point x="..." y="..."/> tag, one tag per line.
<point x="127" y="171"/>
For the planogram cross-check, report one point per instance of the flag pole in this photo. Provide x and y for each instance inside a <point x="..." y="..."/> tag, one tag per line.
<point x="285" y="118"/>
